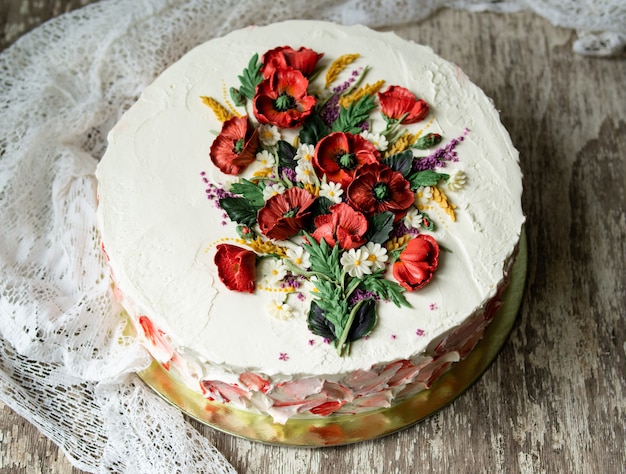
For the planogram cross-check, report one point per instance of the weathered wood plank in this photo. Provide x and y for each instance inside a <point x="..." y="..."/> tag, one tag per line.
<point x="554" y="400"/>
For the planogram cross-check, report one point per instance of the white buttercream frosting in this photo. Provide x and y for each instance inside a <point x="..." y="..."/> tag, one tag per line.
<point x="160" y="230"/>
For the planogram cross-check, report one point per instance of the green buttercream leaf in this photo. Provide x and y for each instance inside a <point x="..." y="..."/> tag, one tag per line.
<point x="239" y="210"/>
<point x="286" y="154"/>
<point x="250" y="191"/>
<point x="313" y="130"/>
<point x="364" y="320"/>
<point x="381" y="226"/>
<point x="386" y="289"/>
<point x="238" y="98"/>
<point x="426" y="178"/>
<point x="351" y="118"/>
<point x="251" y="77"/>
<point x="401" y="162"/>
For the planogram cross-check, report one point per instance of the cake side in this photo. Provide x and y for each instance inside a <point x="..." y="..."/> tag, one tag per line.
<point x="161" y="232"/>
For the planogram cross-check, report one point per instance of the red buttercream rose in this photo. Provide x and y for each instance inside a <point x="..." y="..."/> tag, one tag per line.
<point x="283" y="57"/>
<point x="284" y="215"/>
<point x="400" y="103"/>
<point x="235" y="147"/>
<point x="343" y="225"/>
<point x="339" y="155"/>
<point x="282" y="99"/>
<point x="236" y="267"/>
<point x="417" y="262"/>
<point x="377" y="188"/>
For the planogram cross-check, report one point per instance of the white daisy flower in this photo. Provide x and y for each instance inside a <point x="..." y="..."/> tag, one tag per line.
<point x="299" y="257"/>
<point x="280" y="309"/>
<point x="356" y="262"/>
<point x="305" y="152"/>
<point x="331" y="191"/>
<point x="413" y="218"/>
<point x="424" y="193"/>
<point x="379" y="141"/>
<point x="269" y="135"/>
<point x="377" y="255"/>
<point x="457" y="180"/>
<point x="266" y="159"/>
<point x="276" y="271"/>
<point x="305" y="172"/>
<point x="272" y="190"/>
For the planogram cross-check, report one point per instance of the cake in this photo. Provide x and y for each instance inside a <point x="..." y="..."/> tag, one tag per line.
<point x="308" y="220"/>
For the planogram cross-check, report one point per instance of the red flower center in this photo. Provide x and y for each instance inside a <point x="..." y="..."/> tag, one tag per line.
<point x="284" y="102"/>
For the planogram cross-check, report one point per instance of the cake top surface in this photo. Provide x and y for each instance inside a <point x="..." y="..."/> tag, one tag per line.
<point x="162" y="229"/>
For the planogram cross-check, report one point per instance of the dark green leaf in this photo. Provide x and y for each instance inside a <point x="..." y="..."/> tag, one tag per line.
<point x="427" y="222"/>
<point x="239" y="210"/>
<point x="364" y="320"/>
<point x="401" y="162"/>
<point x="313" y="130"/>
<point x="381" y="226"/>
<point x="251" y="77"/>
<point x="286" y="155"/>
<point x="350" y="119"/>
<point x="250" y="191"/>
<point x="318" y="324"/>
<point x="426" y="178"/>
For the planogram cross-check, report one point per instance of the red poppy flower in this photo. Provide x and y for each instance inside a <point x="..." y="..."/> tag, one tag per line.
<point x="339" y="155"/>
<point x="282" y="99"/>
<point x="284" y="215"/>
<point x="236" y="267"/>
<point x="235" y="147"/>
<point x="284" y="57"/>
<point x="417" y="262"/>
<point x="343" y="225"/>
<point x="400" y="103"/>
<point x="377" y="188"/>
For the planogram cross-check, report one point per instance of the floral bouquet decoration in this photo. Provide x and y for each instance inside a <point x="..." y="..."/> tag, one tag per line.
<point x="346" y="195"/>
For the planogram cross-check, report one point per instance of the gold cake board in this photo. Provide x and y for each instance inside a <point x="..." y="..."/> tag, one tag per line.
<point x="333" y="430"/>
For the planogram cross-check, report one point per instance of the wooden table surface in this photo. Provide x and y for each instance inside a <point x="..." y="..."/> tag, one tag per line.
<point x="555" y="399"/>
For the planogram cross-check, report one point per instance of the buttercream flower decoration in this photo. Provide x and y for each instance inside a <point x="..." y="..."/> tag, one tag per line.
<point x="280" y="309"/>
<point x="340" y="154"/>
<point x="329" y="217"/>
<point x="377" y="188"/>
<point x="236" y="267"/>
<point x="377" y="255"/>
<point x="342" y="225"/>
<point x="275" y="271"/>
<point x="235" y="147"/>
<point x="268" y="135"/>
<point x="284" y="215"/>
<point x="282" y="99"/>
<point x="356" y="262"/>
<point x="457" y="180"/>
<point x="273" y="189"/>
<point x="400" y="104"/>
<point x="417" y="262"/>
<point x="304" y="60"/>
<point x="331" y="191"/>
<point x="298" y="257"/>
<point x="377" y="139"/>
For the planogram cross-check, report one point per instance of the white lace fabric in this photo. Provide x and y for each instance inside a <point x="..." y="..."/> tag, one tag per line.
<point x="65" y="364"/>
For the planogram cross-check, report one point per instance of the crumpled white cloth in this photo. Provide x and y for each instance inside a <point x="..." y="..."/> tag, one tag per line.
<point x="65" y="364"/>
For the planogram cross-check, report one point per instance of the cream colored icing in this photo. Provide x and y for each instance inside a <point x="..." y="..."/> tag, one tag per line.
<point x="160" y="230"/>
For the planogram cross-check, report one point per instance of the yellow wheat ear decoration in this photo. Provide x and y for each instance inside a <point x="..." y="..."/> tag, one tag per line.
<point x="266" y="247"/>
<point x="440" y="198"/>
<point x="368" y="89"/>
<point x="401" y="144"/>
<point x="221" y="113"/>
<point x="338" y="65"/>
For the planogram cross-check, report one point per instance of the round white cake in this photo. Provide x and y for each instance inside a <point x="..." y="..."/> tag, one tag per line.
<point x="306" y="219"/>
